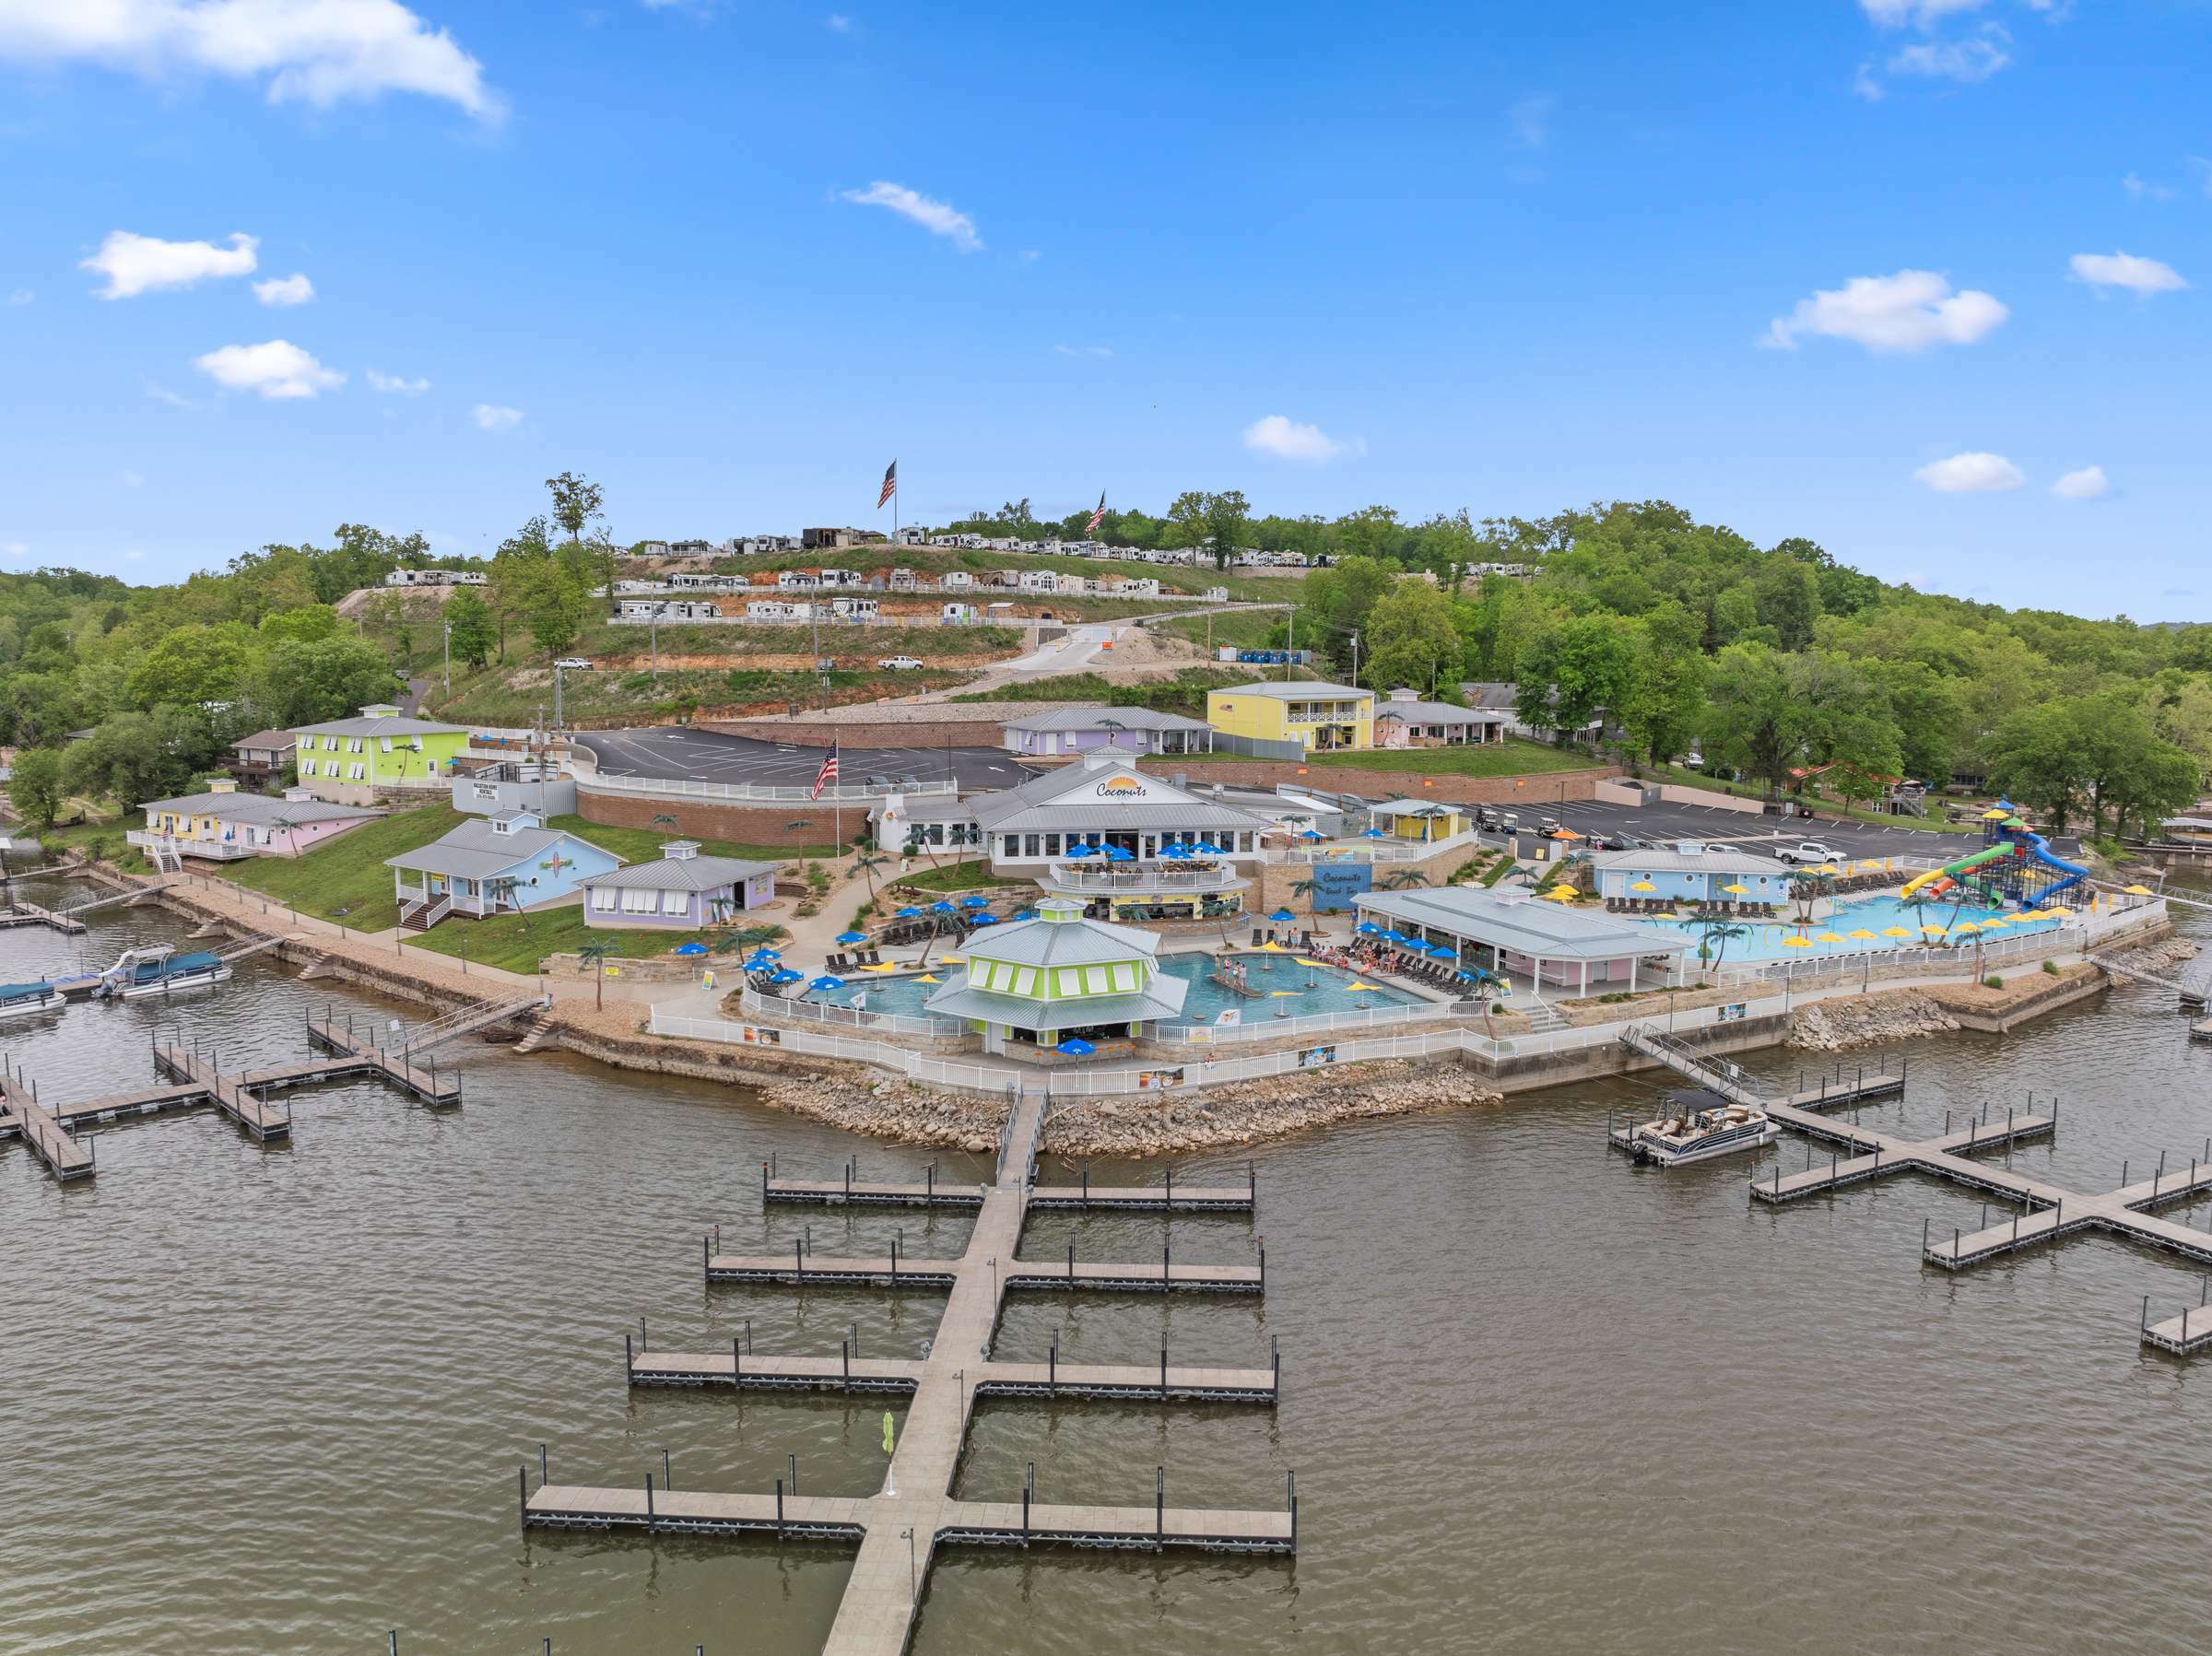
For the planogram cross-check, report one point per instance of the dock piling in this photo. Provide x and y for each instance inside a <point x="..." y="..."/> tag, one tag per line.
<point x="650" y="1523"/>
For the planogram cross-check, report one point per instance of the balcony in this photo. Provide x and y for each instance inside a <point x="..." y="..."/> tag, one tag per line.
<point x="1077" y="879"/>
<point x="210" y="851"/>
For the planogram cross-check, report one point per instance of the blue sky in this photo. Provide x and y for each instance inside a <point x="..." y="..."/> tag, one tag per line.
<point x="1882" y="275"/>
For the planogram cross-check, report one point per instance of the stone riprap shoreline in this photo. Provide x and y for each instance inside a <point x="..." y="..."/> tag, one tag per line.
<point x="2159" y="957"/>
<point x="1243" y="1113"/>
<point x="1881" y="1019"/>
<point x="862" y="1101"/>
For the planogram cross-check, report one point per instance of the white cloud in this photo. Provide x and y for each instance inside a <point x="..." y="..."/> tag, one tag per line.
<point x="838" y="23"/>
<point x="22" y="296"/>
<point x="1909" y="312"/>
<point x="277" y="369"/>
<point x="136" y="264"/>
<point x="1288" y="439"/>
<point x="13" y="549"/>
<point x="2142" y="189"/>
<point x="132" y="555"/>
<point x="2141" y="277"/>
<point x="1029" y="255"/>
<point x="1975" y="59"/>
<point x="1084" y="350"/>
<point x="939" y="219"/>
<point x="162" y="394"/>
<point x="1531" y="119"/>
<point x="1971" y="474"/>
<point x="294" y="289"/>
<point x="1892" y="13"/>
<point x="1864" y="85"/>
<point x="130" y="480"/>
<point x="398" y="384"/>
<point x="2087" y="483"/>
<point x="494" y="417"/>
<point x="315" y="52"/>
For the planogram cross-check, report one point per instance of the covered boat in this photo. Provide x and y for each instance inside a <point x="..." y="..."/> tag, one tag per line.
<point x="1694" y="1134"/>
<point x="26" y="1000"/>
<point x="160" y="970"/>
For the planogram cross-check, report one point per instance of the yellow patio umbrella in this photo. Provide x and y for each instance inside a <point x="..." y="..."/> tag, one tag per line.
<point x="1276" y="994"/>
<point x="1827" y="938"/>
<point x="1667" y="914"/>
<point x="886" y="966"/>
<point x="1992" y="814"/>
<point x="1643" y="886"/>
<point x="2137" y="890"/>
<point x="1733" y="889"/>
<point x="1355" y="987"/>
<point x="1273" y="948"/>
<point x="1863" y="934"/>
<point x="953" y="959"/>
<point x="1317" y="965"/>
<point x="1896" y="932"/>
<point x="1932" y="930"/>
<point x="1828" y="868"/>
<point x="1797" y="942"/>
<point x="1991" y="924"/>
<point x="929" y="977"/>
<point x="1564" y="894"/>
<point x="1870" y="862"/>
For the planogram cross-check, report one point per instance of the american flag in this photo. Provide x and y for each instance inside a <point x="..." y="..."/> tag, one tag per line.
<point x="1096" y="517"/>
<point x="827" y="774"/>
<point x="890" y="484"/>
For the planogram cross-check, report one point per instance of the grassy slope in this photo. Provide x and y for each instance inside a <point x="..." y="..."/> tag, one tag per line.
<point x="518" y="942"/>
<point x="644" y="845"/>
<point x="346" y="880"/>
<point x="1174" y="578"/>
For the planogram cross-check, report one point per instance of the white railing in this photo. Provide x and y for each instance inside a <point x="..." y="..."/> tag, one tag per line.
<point x="1164" y="879"/>
<point x="1371" y="850"/>
<point x="918" y="1066"/>
<point x="227" y="850"/>
<point x="1319" y="1022"/>
<point x="669" y="788"/>
<point x="850" y="1017"/>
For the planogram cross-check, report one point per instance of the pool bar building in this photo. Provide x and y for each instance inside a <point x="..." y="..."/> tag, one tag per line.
<point x="1062" y="982"/>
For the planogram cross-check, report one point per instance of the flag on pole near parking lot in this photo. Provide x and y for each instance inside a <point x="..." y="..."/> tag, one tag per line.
<point x="828" y="773"/>
<point x="890" y="484"/>
<point x="1096" y="517"/>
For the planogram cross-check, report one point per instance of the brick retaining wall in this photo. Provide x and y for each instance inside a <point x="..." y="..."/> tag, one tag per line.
<point x="1523" y="793"/>
<point x="769" y="823"/>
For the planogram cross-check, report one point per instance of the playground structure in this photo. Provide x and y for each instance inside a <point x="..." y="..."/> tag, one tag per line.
<point x="2015" y="865"/>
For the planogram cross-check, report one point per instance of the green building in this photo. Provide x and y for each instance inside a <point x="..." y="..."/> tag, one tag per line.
<point x="1036" y="984"/>
<point x="347" y="760"/>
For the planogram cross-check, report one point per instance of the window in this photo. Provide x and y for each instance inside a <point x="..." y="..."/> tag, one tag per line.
<point x="1025" y="981"/>
<point x="640" y="900"/>
<point x="1095" y="980"/>
<point x="387" y="744"/>
<point x="676" y="902"/>
<point x="1051" y="845"/>
<point x="605" y="898"/>
<point x="330" y="744"/>
<point x="355" y="771"/>
<point x="1070" y="982"/>
<point x="353" y="745"/>
<point x="307" y="767"/>
<point x="1124" y="979"/>
<point x="1032" y="845"/>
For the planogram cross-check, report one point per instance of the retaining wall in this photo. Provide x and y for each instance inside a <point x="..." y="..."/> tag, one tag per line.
<point x="1531" y="793"/>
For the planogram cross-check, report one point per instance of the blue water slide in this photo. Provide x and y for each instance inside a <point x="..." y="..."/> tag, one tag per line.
<point x="2039" y="849"/>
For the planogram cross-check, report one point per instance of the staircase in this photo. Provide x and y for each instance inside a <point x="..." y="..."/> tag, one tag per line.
<point x="537" y="1032"/>
<point x="422" y="917"/>
<point x="1542" y="1020"/>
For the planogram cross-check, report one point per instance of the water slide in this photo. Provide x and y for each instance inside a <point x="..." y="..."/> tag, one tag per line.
<point x="2040" y="851"/>
<point x="1941" y="879"/>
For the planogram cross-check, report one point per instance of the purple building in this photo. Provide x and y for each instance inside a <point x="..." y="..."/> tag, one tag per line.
<point x="681" y="892"/>
<point x="1071" y="730"/>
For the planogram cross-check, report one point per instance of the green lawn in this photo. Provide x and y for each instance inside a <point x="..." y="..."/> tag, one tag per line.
<point x="954" y="876"/>
<point x="518" y="942"/>
<point x="644" y="845"/>
<point x="346" y="880"/>
<point x="1185" y="693"/>
<point x="1246" y="629"/>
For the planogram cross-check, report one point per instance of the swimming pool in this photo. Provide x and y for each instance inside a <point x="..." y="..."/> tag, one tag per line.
<point x="1874" y="915"/>
<point x="1285" y="986"/>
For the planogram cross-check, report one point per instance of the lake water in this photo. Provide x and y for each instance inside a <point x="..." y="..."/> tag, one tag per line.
<point x="274" y="1399"/>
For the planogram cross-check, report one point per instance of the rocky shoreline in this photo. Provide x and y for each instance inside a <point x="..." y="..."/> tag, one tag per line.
<point x="1243" y="1113"/>
<point x="900" y="1110"/>
<point x="1881" y="1019"/>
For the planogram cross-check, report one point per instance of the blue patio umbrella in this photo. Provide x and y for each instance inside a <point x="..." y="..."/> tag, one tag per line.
<point x="1282" y="916"/>
<point x="758" y="963"/>
<point x="908" y="914"/>
<point x="984" y="920"/>
<point x="691" y="948"/>
<point x="1312" y="834"/>
<point x="1394" y="935"/>
<point x="940" y="907"/>
<point x="1024" y="914"/>
<point x="1208" y="848"/>
<point x="1075" y="1048"/>
<point x="1077" y="852"/>
<point x="1374" y="833"/>
<point x="851" y="937"/>
<point x="1114" y="853"/>
<point x="1368" y="928"/>
<point x="827" y="981"/>
<point x="787" y="976"/>
<point x="1443" y="951"/>
<point x="975" y="902"/>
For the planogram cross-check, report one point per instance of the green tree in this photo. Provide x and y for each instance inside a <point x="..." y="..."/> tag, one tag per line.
<point x="191" y="664"/>
<point x="1751" y="717"/>
<point x="136" y="757"/>
<point x="475" y="630"/>
<point x="2035" y="757"/>
<point x="1665" y="700"/>
<point x="304" y="683"/>
<point x="303" y="625"/>
<point x="1337" y="602"/>
<point x="1211" y="520"/>
<point x="35" y="789"/>
<point x="1411" y="640"/>
<point x="1572" y="673"/>
<point x="576" y="501"/>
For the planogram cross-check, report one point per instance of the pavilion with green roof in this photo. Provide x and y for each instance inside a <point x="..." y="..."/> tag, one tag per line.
<point x="1031" y="985"/>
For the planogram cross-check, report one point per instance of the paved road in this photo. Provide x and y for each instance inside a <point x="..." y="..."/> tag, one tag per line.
<point x="699" y="756"/>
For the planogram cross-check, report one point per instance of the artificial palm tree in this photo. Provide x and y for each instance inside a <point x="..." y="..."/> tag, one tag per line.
<point x="1726" y="933"/>
<point x="1305" y="888"/>
<point x="1399" y="879"/>
<point x="867" y="862"/>
<point x="1484" y="980"/>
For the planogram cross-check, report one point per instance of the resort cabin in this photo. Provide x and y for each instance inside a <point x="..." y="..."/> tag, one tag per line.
<point x="505" y="863"/>
<point x="257" y="761"/>
<point x="1690" y="871"/>
<point x="957" y="614"/>
<point x="1424" y="820"/>
<point x="347" y="760"/>
<point x="1073" y="730"/>
<point x="223" y="825"/>
<point x="1406" y="721"/>
<point x="1029" y="986"/>
<point x="1532" y="941"/>
<point x="683" y="891"/>
<point x="1304" y="712"/>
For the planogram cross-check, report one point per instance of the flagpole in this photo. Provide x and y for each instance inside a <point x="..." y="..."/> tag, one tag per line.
<point x="837" y="809"/>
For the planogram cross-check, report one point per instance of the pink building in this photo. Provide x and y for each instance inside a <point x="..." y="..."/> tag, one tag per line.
<point x="223" y="825"/>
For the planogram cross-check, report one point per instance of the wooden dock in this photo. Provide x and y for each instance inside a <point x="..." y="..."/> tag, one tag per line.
<point x="1084" y="1196"/>
<point x="20" y="913"/>
<point x="2184" y="1335"/>
<point x="899" y="1528"/>
<point x="67" y="1156"/>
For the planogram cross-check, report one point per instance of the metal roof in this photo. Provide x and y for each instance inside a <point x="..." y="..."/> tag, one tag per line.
<point x="1036" y="805"/>
<point x="682" y="873"/>
<point x="1523" y="925"/>
<point x="1418" y="807"/>
<point x="473" y="852"/>
<point x="1715" y="860"/>
<point x="278" y="740"/>
<point x="1296" y="689"/>
<point x="1063" y="943"/>
<point x="263" y="810"/>
<point x="1096" y="717"/>
<point x="1438" y="713"/>
<point x="388" y="724"/>
<point x="1161" y="998"/>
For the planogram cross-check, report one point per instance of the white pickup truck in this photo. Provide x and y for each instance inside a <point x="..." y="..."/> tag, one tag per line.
<point x="1810" y="850"/>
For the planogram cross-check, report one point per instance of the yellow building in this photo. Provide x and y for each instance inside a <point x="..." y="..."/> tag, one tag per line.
<point x="1319" y="717"/>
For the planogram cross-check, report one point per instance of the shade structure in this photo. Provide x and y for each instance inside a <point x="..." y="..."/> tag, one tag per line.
<point x="1643" y="886"/>
<point x="1443" y="951"/>
<point x="1931" y="931"/>
<point x="929" y="977"/>
<point x="1209" y="848"/>
<point x="908" y="913"/>
<point x="1282" y="916"/>
<point x="827" y="981"/>
<point x="1896" y="932"/>
<point x="1827" y="938"/>
<point x="1075" y="854"/>
<point x="1368" y="928"/>
<point x="941" y="907"/>
<point x="975" y="902"/>
<point x="787" y="976"/>
<point x="984" y="920"/>
<point x="954" y="960"/>
<point x="1075" y="1048"/>
<point x="1273" y="948"/>
<point x="1863" y="934"/>
<point x="1797" y="942"/>
<point x="1995" y="815"/>
<point x="851" y="937"/>
<point x="1994" y="922"/>
<point x="1733" y="889"/>
<point x="1355" y="987"/>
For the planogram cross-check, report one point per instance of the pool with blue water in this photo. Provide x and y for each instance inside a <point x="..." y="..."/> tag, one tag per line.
<point x="1859" y="925"/>
<point x="1283" y="986"/>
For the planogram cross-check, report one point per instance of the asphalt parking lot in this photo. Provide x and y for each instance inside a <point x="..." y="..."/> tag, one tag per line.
<point x="697" y="756"/>
<point x="1714" y="825"/>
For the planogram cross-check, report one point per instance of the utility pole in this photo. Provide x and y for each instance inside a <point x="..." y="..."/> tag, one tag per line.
<point x="1292" y="650"/>
<point x="814" y="614"/>
<point x="652" y="627"/>
<point x="557" y="718"/>
<point x="1355" y="661"/>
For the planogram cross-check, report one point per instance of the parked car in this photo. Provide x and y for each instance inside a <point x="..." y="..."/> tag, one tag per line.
<point x="1615" y="842"/>
<point x="1810" y="850"/>
<point x="573" y="663"/>
<point x="901" y="664"/>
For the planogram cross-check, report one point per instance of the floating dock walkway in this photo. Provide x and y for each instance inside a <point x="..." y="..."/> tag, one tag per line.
<point x="899" y="1529"/>
<point x="1085" y="1196"/>
<point x="20" y="913"/>
<point x="2189" y="996"/>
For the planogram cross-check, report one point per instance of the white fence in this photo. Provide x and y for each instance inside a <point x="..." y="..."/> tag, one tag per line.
<point x="651" y="787"/>
<point x="846" y="1017"/>
<point x="918" y="1066"/>
<point x="1371" y="851"/>
<point x="1320" y="1023"/>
